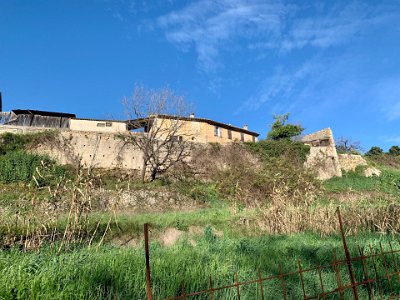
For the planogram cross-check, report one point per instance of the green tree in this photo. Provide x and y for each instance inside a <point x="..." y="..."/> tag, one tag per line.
<point x="394" y="150"/>
<point x="280" y="129"/>
<point x="374" y="151"/>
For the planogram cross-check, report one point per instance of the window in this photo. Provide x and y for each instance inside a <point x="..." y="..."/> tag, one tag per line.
<point x="177" y="138"/>
<point x="108" y="124"/>
<point x="325" y="142"/>
<point x="217" y="131"/>
<point x="242" y="136"/>
<point x="229" y="134"/>
<point x="101" y="124"/>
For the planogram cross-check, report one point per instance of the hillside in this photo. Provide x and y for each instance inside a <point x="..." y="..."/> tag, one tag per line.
<point x="78" y="233"/>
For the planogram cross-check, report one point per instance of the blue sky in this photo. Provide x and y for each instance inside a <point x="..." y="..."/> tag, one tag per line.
<point x="329" y="63"/>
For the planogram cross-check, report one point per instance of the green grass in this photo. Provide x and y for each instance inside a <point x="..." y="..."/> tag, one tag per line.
<point x="118" y="273"/>
<point x="388" y="182"/>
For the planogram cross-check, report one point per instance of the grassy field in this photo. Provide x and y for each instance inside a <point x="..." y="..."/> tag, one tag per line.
<point x="118" y="273"/>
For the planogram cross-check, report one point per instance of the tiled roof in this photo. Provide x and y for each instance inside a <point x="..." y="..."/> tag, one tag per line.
<point x="133" y="123"/>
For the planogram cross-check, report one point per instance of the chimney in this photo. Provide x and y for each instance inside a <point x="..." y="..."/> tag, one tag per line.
<point x="191" y="115"/>
<point x="1" y="103"/>
<point x="246" y="127"/>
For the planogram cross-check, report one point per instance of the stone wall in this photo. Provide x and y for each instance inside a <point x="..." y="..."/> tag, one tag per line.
<point x="349" y="162"/>
<point x="91" y="149"/>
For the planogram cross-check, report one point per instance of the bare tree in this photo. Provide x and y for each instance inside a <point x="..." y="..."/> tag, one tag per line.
<point x="157" y="119"/>
<point x="347" y="145"/>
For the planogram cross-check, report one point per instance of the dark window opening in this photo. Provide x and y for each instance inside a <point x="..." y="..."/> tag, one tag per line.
<point x="177" y="138"/>
<point x="242" y="136"/>
<point x="217" y="131"/>
<point x="230" y="134"/>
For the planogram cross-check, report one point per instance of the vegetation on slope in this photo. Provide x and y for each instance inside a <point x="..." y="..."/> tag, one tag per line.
<point x="118" y="273"/>
<point x="248" y="192"/>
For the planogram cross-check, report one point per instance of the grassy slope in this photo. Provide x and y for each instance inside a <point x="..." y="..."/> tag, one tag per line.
<point x="109" y="272"/>
<point x="118" y="273"/>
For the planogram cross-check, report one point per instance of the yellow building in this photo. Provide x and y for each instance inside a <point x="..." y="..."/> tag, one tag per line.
<point x="198" y="130"/>
<point x="111" y="126"/>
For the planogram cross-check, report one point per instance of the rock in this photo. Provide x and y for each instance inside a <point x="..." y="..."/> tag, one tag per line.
<point x="349" y="162"/>
<point x="171" y="236"/>
<point x="371" y="171"/>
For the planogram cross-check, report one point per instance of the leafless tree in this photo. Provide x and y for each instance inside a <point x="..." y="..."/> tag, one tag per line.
<point x="347" y="145"/>
<point x="156" y="119"/>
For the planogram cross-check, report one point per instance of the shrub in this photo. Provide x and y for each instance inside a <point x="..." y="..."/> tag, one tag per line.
<point x="374" y="151"/>
<point x="270" y="172"/>
<point x="13" y="142"/>
<point x="19" y="166"/>
<point x="268" y="149"/>
<point x="394" y="150"/>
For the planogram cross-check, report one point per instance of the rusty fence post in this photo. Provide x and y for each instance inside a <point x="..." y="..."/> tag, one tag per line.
<point x="237" y="285"/>
<point x="348" y="258"/>
<point x="261" y="285"/>
<point x="147" y="253"/>
<point x="302" y="280"/>
<point x="211" y="289"/>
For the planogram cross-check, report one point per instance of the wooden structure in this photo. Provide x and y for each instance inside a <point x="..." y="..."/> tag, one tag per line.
<point x="36" y="118"/>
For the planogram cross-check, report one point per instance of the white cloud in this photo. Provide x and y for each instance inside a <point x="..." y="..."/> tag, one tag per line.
<point x="280" y="85"/>
<point x="209" y="25"/>
<point x="334" y="27"/>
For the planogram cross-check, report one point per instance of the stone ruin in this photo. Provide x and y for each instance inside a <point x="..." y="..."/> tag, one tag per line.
<point x="325" y="160"/>
<point x="323" y="157"/>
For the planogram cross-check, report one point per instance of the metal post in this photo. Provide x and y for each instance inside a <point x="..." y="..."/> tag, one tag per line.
<point x="211" y="289"/>
<point x="261" y="285"/>
<point x="348" y="258"/>
<point x="146" y="245"/>
<point x="302" y="281"/>
<point x="237" y="286"/>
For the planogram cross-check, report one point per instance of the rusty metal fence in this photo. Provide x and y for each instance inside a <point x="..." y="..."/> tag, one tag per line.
<point x="380" y="277"/>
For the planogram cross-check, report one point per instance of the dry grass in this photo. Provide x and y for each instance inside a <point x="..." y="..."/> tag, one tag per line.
<point x="246" y="177"/>
<point x="291" y="219"/>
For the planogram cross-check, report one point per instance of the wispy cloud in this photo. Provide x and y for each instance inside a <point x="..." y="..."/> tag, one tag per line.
<point x="208" y="26"/>
<point x="282" y="85"/>
<point x="331" y="27"/>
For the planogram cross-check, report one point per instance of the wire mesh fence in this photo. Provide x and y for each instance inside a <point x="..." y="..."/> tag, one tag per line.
<point x="374" y="273"/>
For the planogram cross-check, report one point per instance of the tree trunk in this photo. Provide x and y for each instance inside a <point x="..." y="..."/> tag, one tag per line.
<point x="153" y="174"/>
<point x="143" y="173"/>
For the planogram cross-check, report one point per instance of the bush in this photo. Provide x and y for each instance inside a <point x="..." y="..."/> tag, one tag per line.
<point x="394" y="150"/>
<point x="267" y="149"/>
<point x="19" y="166"/>
<point x="270" y="172"/>
<point x="10" y="142"/>
<point x="374" y="151"/>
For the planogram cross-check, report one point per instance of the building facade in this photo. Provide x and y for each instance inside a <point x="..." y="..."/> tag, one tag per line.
<point x="193" y="129"/>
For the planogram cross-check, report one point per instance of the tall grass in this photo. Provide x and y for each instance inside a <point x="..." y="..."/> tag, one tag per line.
<point x="20" y="166"/>
<point x="118" y="273"/>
